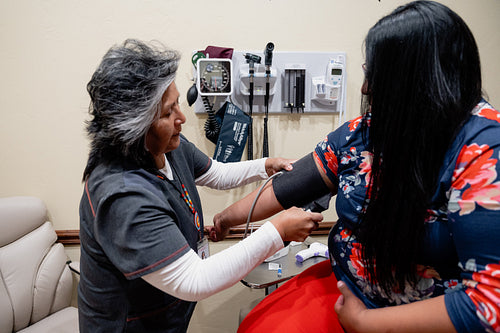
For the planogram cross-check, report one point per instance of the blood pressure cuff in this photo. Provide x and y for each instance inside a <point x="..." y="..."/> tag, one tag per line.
<point x="233" y="133"/>
<point x="302" y="186"/>
<point x="218" y="52"/>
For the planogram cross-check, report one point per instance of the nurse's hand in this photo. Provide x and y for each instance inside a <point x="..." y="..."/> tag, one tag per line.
<point x="295" y="224"/>
<point x="276" y="164"/>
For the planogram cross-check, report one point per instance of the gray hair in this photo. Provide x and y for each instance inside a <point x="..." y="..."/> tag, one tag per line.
<point x="126" y="91"/>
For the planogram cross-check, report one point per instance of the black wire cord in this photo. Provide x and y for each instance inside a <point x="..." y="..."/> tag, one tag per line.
<point x="265" y="148"/>
<point x="268" y="56"/>
<point x="250" y="125"/>
<point x="255" y="201"/>
<point x="212" y="127"/>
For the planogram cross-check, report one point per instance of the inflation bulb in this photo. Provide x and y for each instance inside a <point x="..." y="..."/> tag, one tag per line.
<point x="192" y="94"/>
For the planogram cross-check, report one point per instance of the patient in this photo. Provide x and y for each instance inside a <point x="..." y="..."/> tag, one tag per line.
<point x="417" y="186"/>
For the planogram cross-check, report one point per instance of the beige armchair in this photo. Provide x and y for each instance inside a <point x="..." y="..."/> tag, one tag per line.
<point x="35" y="282"/>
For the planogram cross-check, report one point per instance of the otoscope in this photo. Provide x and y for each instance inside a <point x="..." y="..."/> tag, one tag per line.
<point x="268" y="55"/>
<point x="251" y="60"/>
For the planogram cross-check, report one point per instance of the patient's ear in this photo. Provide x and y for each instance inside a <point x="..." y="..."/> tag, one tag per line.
<point x="364" y="88"/>
<point x="367" y="98"/>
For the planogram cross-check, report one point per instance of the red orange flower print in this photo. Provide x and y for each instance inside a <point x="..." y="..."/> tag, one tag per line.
<point x="366" y="166"/>
<point x="319" y="162"/>
<point x="354" y="123"/>
<point x="357" y="261"/>
<point x="489" y="114"/>
<point x="484" y="291"/>
<point x="346" y="234"/>
<point x="475" y="174"/>
<point x="331" y="158"/>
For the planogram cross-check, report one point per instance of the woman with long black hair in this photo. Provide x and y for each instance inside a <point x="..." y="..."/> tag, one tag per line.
<point x="416" y="176"/>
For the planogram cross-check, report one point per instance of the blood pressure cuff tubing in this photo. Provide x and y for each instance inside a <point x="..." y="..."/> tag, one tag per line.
<point x="300" y="186"/>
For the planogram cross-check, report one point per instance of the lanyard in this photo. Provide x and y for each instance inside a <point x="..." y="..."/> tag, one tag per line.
<point x="185" y="197"/>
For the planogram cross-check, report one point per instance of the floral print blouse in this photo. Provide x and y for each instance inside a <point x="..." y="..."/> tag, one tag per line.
<point x="461" y="257"/>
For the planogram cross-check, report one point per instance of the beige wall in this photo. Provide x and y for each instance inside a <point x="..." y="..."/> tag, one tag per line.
<point x="50" y="48"/>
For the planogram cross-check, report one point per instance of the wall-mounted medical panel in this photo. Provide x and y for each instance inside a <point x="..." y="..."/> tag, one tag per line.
<point x="296" y="82"/>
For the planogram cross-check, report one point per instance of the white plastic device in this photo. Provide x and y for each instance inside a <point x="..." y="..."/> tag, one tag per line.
<point x="334" y="72"/>
<point x="281" y="253"/>
<point x="259" y="80"/>
<point x="327" y="90"/>
<point x="315" y="249"/>
<point x="214" y="76"/>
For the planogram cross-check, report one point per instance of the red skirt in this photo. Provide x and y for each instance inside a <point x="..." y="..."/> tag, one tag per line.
<point x="305" y="303"/>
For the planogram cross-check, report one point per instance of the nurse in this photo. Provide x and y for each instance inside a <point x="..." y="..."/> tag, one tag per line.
<point x="141" y="221"/>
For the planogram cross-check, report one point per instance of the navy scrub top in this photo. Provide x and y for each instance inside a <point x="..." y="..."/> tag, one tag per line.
<point x="133" y="222"/>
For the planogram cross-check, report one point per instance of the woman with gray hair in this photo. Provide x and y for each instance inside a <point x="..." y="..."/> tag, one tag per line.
<point x="141" y="221"/>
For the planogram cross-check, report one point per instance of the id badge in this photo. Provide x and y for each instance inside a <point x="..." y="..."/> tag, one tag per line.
<point x="203" y="248"/>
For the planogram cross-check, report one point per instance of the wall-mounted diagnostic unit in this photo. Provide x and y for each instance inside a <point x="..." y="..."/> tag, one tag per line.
<point x="291" y="82"/>
<point x="327" y="89"/>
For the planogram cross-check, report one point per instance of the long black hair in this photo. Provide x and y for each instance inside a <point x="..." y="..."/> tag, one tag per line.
<point x="423" y="78"/>
<point x="126" y="91"/>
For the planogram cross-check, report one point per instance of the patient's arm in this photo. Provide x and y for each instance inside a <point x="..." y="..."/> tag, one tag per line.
<point x="355" y="317"/>
<point x="268" y="204"/>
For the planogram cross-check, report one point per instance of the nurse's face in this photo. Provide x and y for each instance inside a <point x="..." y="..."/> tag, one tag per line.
<point x="163" y="135"/>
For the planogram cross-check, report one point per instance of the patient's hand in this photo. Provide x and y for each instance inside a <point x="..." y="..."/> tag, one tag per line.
<point x="219" y="230"/>
<point x="350" y="309"/>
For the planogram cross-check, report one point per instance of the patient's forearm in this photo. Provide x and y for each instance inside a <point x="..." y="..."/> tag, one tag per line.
<point x="423" y="316"/>
<point x="267" y="205"/>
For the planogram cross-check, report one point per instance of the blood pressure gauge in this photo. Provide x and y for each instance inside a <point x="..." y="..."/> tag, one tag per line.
<point x="214" y="77"/>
